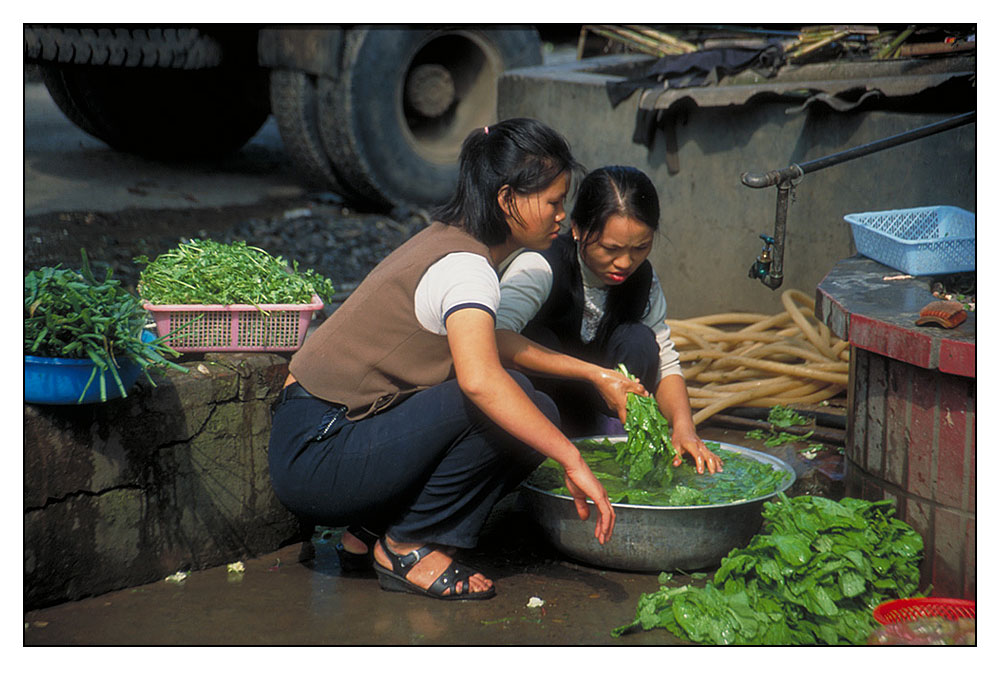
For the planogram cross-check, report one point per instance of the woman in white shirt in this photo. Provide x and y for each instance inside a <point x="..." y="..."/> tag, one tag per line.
<point x="594" y="295"/>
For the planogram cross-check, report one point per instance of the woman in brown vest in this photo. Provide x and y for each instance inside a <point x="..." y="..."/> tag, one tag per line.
<point x="405" y="414"/>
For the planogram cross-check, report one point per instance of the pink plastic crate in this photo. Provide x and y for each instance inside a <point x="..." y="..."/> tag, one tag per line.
<point x="198" y="328"/>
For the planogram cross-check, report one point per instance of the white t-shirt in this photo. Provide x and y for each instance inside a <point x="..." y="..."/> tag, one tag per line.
<point x="526" y="285"/>
<point x="457" y="280"/>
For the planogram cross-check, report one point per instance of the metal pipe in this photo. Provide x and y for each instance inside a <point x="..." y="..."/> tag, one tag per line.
<point x="775" y="274"/>
<point x="769" y="266"/>
<point x="795" y="171"/>
<point x="886" y="143"/>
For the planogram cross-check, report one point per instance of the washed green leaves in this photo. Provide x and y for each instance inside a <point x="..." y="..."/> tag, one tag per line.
<point x="744" y="478"/>
<point x="71" y="314"/>
<point x="812" y="577"/>
<point x="208" y="272"/>
<point x="645" y="458"/>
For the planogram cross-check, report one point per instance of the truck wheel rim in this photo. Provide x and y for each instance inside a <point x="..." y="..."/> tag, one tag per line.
<point x="448" y="89"/>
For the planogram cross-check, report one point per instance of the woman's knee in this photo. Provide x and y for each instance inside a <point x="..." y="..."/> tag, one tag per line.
<point x="635" y="345"/>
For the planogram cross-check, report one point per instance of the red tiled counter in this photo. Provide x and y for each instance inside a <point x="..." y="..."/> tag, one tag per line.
<point x="911" y="431"/>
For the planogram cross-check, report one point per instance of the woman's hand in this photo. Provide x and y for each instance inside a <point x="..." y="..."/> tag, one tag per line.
<point x="614" y="387"/>
<point x="582" y="484"/>
<point x="688" y="442"/>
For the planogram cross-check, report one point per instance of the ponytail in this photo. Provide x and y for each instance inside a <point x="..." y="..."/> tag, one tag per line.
<point x="523" y="154"/>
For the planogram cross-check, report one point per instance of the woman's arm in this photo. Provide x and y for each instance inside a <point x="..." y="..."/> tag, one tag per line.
<point x="523" y="289"/>
<point x="481" y="376"/>
<point x="524" y="354"/>
<point x="672" y="399"/>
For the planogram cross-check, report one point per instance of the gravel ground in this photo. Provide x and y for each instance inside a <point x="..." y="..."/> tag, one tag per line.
<point x="318" y="233"/>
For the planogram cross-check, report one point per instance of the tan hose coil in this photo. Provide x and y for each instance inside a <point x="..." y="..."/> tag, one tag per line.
<point x="752" y="359"/>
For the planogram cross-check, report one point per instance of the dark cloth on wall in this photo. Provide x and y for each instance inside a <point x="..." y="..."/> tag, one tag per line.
<point x="699" y="68"/>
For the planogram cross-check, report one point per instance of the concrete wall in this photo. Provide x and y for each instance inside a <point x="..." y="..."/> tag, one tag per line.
<point x="170" y="478"/>
<point x="711" y="221"/>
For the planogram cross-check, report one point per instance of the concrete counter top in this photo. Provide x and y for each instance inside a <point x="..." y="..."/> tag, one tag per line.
<point x="859" y="305"/>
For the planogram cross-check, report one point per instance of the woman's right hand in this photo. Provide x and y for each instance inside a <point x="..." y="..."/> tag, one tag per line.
<point x="582" y="484"/>
<point x="614" y="387"/>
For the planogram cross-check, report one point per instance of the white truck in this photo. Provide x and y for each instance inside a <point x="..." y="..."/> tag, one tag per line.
<point x="374" y="113"/>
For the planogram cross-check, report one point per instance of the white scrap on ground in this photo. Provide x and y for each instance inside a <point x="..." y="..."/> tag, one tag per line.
<point x="535" y="602"/>
<point x="178" y="576"/>
<point x="237" y="567"/>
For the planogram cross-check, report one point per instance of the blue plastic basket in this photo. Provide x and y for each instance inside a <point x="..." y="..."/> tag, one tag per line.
<point x="928" y="241"/>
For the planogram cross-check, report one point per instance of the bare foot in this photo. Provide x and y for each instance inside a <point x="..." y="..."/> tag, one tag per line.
<point x="429" y="568"/>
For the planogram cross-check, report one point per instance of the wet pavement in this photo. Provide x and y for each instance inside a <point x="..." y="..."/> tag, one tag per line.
<point x="282" y="600"/>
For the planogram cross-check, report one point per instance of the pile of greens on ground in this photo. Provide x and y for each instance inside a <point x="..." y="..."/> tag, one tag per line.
<point x="813" y="577"/>
<point x="208" y="272"/>
<point x="71" y="314"/>
<point x="743" y="479"/>
<point x="780" y="416"/>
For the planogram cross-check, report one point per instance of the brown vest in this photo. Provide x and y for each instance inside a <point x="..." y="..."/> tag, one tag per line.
<point x="372" y="352"/>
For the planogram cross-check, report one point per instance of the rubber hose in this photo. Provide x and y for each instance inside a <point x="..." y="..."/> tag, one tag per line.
<point x="803" y="324"/>
<point x="733" y="400"/>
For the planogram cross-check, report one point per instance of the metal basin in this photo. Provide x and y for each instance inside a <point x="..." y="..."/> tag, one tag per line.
<point x="653" y="538"/>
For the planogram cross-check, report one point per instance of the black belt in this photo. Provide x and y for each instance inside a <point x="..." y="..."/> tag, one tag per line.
<point x="293" y="391"/>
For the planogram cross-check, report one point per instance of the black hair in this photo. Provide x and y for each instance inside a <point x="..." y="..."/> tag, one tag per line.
<point x="614" y="190"/>
<point x="628" y="192"/>
<point x="524" y="154"/>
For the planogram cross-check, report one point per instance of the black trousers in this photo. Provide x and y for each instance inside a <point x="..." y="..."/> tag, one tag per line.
<point x="429" y="469"/>
<point x="581" y="408"/>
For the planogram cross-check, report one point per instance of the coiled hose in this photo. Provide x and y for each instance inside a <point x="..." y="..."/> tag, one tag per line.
<point x="788" y="358"/>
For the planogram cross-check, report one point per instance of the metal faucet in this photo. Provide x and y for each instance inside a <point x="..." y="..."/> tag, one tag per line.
<point x="768" y="268"/>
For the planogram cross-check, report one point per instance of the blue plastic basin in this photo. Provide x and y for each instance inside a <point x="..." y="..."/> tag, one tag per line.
<point x="61" y="380"/>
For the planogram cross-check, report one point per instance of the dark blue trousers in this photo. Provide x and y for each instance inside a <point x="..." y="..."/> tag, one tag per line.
<point x="581" y="407"/>
<point x="429" y="469"/>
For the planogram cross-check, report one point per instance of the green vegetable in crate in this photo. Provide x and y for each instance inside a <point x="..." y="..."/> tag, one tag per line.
<point x="203" y="271"/>
<point x="70" y="314"/>
<point x="645" y="458"/>
<point x="813" y="577"/>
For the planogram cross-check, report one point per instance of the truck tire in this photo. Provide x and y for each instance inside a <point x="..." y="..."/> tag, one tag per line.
<point x="185" y="48"/>
<point x="160" y="93"/>
<point x="293" y="102"/>
<point x="393" y="120"/>
<point x="162" y="114"/>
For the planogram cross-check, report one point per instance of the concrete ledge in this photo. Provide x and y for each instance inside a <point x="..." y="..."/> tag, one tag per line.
<point x="858" y="305"/>
<point x="173" y="477"/>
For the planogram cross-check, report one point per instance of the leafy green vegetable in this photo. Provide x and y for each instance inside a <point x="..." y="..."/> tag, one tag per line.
<point x="70" y="314"/>
<point x="645" y="458"/>
<point x="208" y="272"/>
<point x="777" y="438"/>
<point x="744" y="478"/>
<point x="813" y="577"/>
<point x="780" y="416"/>
<point x="784" y="417"/>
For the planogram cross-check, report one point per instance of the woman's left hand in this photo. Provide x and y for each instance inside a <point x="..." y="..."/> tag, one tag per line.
<point x="688" y="442"/>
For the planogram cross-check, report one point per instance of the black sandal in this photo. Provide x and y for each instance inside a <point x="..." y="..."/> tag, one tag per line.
<point x="395" y="579"/>
<point x="351" y="562"/>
